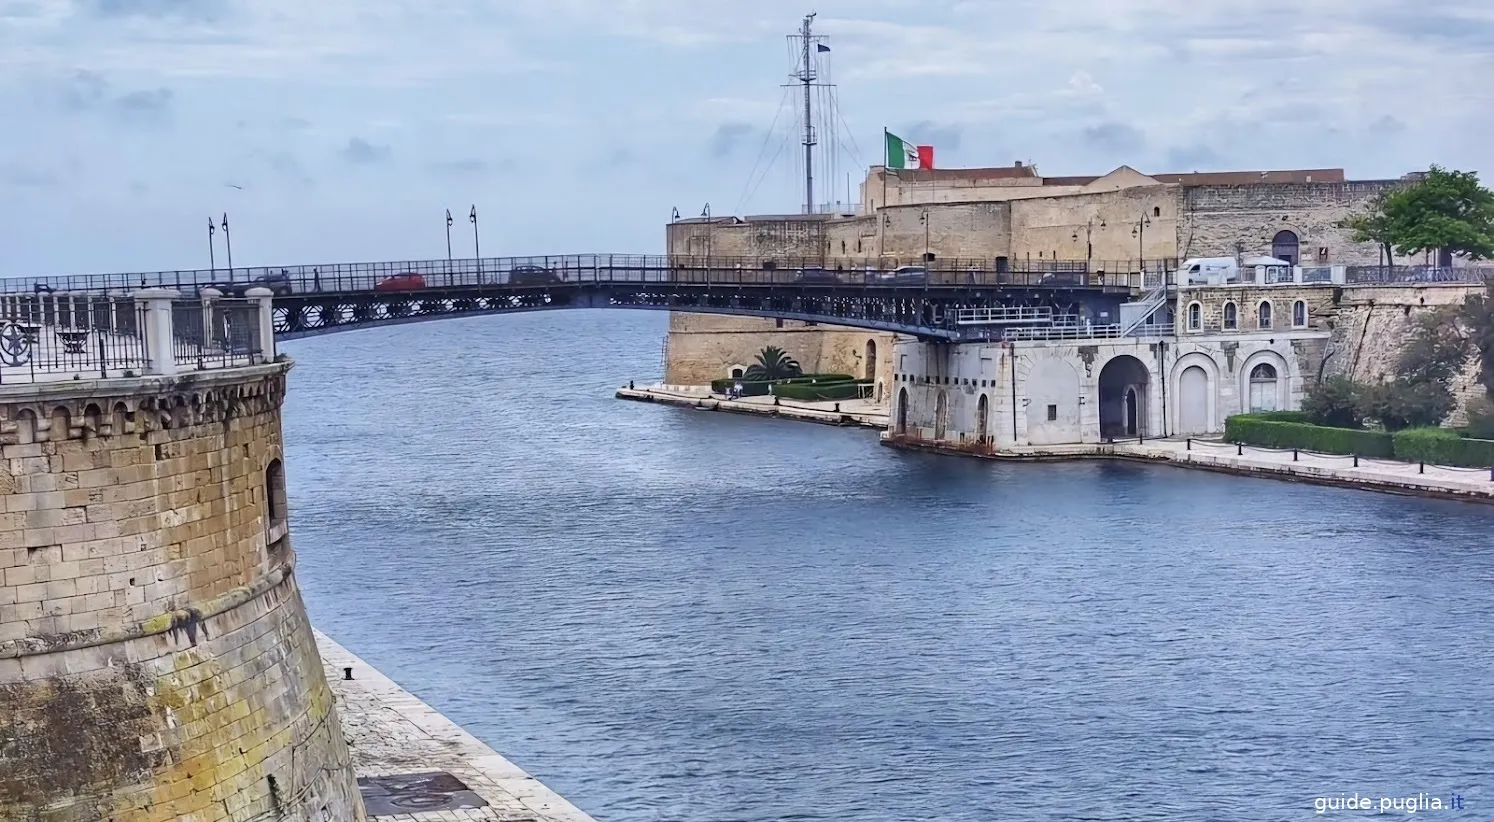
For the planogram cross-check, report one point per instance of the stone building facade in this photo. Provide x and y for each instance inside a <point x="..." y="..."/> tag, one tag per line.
<point x="994" y="218"/>
<point x="156" y="661"/>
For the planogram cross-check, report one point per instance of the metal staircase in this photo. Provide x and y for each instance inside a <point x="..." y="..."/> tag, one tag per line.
<point x="1149" y="303"/>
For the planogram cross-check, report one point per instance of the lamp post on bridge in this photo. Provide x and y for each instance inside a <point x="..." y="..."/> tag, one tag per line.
<point x="448" y="238"/>
<point x="1139" y="232"/>
<point x="1089" y="246"/>
<point x="706" y="213"/>
<point x="476" y="244"/>
<point x="924" y="218"/>
<point x="228" y="244"/>
<point x="212" y="263"/>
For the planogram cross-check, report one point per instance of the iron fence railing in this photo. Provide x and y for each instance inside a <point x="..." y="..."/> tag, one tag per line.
<point x="1419" y="274"/>
<point x="581" y="268"/>
<point x="46" y="337"/>
<point x="216" y="333"/>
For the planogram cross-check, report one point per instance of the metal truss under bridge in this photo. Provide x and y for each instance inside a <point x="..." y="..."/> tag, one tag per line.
<point x="926" y="302"/>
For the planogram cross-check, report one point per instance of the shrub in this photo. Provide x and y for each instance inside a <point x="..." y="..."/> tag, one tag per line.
<point x="1280" y="416"/>
<point x="1481" y="418"/>
<point x="759" y="388"/>
<point x="1443" y="446"/>
<point x="821" y="392"/>
<point x="1402" y="403"/>
<point x="1251" y="429"/>
<point x="1335" y="403"/>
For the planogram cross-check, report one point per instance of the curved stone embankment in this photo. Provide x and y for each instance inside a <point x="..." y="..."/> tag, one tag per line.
<point x="864" y="413"/>
<point x="1386" y="476"/>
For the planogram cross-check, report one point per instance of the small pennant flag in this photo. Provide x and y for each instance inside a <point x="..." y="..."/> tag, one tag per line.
<point x="821" y="48"/>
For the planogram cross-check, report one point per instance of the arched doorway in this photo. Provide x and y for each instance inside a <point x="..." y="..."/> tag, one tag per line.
<point x="1123" y="384"/>
<point x="871" y="360"/>
<point x="941" y="415"/>
<point x="900" y="421"/>
<point x="1263" y="388"/>
<point x="1193" y="401"/>
<point x="982" y="419"/>
<point x="1284" y="247"/>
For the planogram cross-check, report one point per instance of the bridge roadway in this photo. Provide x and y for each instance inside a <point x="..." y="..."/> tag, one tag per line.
<point x="318" y="299"/>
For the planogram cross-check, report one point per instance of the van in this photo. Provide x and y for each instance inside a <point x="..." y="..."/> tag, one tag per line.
<point x="1209" y="271"/>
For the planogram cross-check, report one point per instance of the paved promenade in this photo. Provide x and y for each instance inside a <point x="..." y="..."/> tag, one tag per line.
<point x="865" y="413"/>
<point x="394" y="734"/>
<point x="1381" y="475"/>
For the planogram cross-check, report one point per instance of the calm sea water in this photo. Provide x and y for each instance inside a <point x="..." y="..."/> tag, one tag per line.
<point x="675" y="615"/>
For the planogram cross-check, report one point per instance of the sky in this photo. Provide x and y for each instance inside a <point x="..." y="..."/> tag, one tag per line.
<point x="342" y="131"/>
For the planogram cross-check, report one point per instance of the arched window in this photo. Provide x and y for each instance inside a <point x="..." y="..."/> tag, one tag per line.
<point x="1284" y="247"/>
<point x="276" y="537"/>
<point x="1195" y="316"/>
<point x="1231" y="316"/>
<point x="1299" y="314"/>
<point x="1156" y="211"/>
<point x="1263" y="315"/>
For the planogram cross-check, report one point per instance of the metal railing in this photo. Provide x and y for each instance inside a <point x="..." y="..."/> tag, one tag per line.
<point x="1004" y="315"/>
<point x="1070" y="332"/>
<point x="58" y="337"/>
<point x="581" y="268"/>
<point x="216" y="333"/>
<point x="1418" y="274"/>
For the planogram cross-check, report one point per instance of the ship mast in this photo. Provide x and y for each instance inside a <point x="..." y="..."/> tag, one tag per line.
<point x="806" y="76"/>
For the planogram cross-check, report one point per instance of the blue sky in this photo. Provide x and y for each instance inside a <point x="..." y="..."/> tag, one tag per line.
<point x="576" y="125"/>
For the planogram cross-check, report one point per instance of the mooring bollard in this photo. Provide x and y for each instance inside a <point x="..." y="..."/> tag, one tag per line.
<point x="1356" y="460"/>
<point x="837" y="408"/>
<point x="1141" y="439"/>
<point x="1239" y="449"/>
<point x="1294" y="455"/>
<point x="1421" y="468"/>
<point x="1190" y="445"/>
<point x="347" y="673"/>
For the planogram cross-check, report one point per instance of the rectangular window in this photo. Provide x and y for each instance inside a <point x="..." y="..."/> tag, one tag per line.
<point x="1052" y="413"/>
<point x="778" y="322"/>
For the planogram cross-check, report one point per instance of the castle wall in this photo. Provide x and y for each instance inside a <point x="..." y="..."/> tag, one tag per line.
<point x="1063" y="228"/>
<point x="1215" y="218"/>
<point x="156" y="661"/>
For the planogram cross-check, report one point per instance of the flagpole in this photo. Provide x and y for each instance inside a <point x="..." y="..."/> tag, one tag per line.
<point x="881" y="249"/>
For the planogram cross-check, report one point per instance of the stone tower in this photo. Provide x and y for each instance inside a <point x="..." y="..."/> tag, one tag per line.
<point x="156" y="661"/>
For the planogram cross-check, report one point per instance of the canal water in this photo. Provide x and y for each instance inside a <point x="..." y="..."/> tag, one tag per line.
<point x="666" y="614"/>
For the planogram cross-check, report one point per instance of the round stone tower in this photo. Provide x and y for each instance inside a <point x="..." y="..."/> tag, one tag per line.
<point x="156" y="661"/>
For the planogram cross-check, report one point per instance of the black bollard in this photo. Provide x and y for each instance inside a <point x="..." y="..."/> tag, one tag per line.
<point x="347" y="673"/>
<point x="837" y="408"/>
<point x="1356" y="460"/>
<point x="1294" y="455"/>
<point x="1239" y="450"/>
<point x="1190" y="445"/>
<point x="1421" y="468"/>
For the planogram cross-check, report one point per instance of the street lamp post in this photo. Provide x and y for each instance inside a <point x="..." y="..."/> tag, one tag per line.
<point x="228" y="244"/>
<point x="924" y="218"/>
<point x="710" y="231"/>
<point x="448" y="237"/>
<point x="476" y="244"/>
<point x="212" y="264"/>
<point x="1139" y="232"/>
<point x="1089" y="245"/>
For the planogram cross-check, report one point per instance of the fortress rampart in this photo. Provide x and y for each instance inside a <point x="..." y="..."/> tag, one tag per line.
<point x="156" y="661"/>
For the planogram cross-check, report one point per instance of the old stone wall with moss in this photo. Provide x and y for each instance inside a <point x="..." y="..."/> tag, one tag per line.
<point x="156" y="661"/>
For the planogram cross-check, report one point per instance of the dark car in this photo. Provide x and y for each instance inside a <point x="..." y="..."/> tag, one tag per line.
<point x="905" y="275"/>
<point x="1055" y="279"/>
<point x="279" y="284"/>
<point x="532" y="275"/>
<point x="816" y="275"/>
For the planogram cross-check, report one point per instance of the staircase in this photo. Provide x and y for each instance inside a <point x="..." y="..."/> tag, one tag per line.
<point x="1146" y="306"/>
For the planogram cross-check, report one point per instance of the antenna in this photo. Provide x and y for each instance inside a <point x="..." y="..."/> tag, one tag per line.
<point x="806" y="76"/>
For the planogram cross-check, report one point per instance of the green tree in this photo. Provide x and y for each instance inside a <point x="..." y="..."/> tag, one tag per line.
<point x="1445" y="211"/>
<point x="1403" y="403"/>
<point x="1334" y="402"/>
<point x="1374" y="225"/>
<point x="1481" y="418"/>
<point x="773" y="364"/>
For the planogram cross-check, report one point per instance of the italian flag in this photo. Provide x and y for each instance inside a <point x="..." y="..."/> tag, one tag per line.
<point x="902" y="154"/>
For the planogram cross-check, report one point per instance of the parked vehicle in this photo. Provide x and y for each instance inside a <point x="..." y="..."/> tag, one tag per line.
<point x="279" y="284"/>
<point x="401" y="282"/>
<point x="533" y="275"/>
<point x="1063" y="278"/>
<point x="816" y="275"/>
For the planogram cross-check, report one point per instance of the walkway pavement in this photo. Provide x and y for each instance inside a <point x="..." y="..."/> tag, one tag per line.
<point x="1385" y="475"/>
<point x="392" y="732"/>
<point x="843" y="412"/>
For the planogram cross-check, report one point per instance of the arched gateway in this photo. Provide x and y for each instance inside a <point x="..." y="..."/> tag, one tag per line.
<point x="1123" y="390"/>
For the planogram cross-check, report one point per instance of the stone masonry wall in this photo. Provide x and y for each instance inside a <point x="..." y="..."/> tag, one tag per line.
<point x="705" y="347"/>
<point x="1214" y="218"/>
<point x="156" y="661"/>
<point x="1373" y="323"/>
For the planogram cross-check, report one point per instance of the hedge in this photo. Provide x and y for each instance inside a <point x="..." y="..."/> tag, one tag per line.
<point x="759" y="388"/>
<point x="1252" y="429"/>
<point x="1443" y="446"/>
<point x="1281" y="416"/>
<point x="821" y="392"/>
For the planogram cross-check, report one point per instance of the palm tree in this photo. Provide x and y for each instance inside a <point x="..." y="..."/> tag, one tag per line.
<point x="773" y="364"/>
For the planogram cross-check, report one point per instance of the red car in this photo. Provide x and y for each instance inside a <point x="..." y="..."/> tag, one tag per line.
<point x="401" y="282"/>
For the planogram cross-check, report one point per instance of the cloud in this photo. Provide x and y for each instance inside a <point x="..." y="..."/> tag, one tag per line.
<point x="145" y="105"/>
<point x="461" y="168"/>
<point x="361" y="152"/>
<point x="730" y="137"/>
<point x="1186" y="159"/>
<point x="1114" y="138"/>
<point x="89" y="92"/>
<point x="941" y="137"/>
<point x="183" y="9"/>
<point x="18" y="176"/>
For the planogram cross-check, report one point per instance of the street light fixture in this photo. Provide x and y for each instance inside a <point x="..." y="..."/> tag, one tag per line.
<point x="476" y="244"/>
<point x="924" y="218"/>
<point x="228" y="244"/>
<point x="1139" y="232"/>
<point x="1089" y="246"/>
<point x="706" y="213"/>
<point x="449" y="221"/>
<point x="212" y="264"/>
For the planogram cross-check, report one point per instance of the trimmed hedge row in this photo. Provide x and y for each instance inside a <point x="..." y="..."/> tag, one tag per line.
<point x="1433" y="446"/>
<point x="820" y="392"/>
<point x="1443" y="446"/>
<point x="1251" y="429"/>
<point x="759" y="388"/>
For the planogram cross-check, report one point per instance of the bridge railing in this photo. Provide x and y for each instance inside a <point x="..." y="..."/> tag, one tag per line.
<point x="581" y="268"/>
